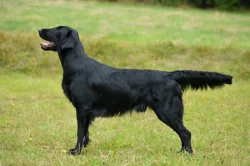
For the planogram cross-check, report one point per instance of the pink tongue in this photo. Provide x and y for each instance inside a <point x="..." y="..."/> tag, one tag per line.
<point x="45" y="44"/>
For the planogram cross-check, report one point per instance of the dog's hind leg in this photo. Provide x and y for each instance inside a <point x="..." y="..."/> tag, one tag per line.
<point x="170" y="111"/>
<point x="84" y="119"/>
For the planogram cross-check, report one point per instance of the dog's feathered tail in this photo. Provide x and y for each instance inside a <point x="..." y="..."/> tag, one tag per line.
<point x="200" y="79"/>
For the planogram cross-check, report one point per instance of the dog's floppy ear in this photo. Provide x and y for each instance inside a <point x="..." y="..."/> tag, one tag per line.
<point x="69" y="41"/>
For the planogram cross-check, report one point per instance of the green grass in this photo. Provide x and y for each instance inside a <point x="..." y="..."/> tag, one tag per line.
<point x="218" y="121"/>
<point x="130" y="23"/>
<point x="37" y="123"/>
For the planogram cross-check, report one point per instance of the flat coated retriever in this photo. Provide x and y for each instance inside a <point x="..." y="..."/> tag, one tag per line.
<point x="98" y="90"/>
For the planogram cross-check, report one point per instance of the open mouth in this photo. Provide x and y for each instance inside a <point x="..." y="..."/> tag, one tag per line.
<point x="47" y="45"/>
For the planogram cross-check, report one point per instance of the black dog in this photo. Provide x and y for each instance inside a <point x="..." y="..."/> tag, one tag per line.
<point x="98" y="90"/>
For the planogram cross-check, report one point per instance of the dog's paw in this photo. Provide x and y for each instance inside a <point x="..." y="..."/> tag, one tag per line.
<point x="187" y="149"/>
<point x="74" y="152"/>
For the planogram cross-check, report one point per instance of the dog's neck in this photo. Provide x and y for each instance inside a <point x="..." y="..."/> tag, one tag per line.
<point x="73" y="60"/>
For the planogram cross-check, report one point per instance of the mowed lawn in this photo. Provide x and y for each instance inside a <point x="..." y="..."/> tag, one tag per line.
<point x="38" y="124"/>
<point x="130" y="23"/>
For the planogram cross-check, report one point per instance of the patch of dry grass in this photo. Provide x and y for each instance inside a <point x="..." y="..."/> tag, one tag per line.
<point x="27" y="56"/>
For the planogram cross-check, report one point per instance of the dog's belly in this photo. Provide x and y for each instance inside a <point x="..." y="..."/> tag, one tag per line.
<point x="109" y="111"/>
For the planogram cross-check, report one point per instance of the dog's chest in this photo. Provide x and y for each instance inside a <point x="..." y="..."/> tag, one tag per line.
<point x="66" y="90"/>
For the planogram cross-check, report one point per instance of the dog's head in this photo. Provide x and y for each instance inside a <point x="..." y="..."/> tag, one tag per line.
<point x="58" y="38"/>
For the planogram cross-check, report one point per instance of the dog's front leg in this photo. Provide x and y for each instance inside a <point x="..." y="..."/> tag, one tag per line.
<point x="83" y="122"/>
